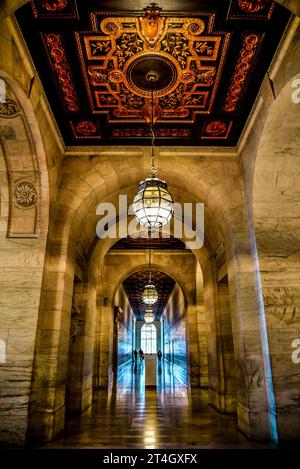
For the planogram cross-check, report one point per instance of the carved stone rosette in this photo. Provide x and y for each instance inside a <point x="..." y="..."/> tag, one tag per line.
<point x="25" y="194"/>
<point x="9" y="108"/>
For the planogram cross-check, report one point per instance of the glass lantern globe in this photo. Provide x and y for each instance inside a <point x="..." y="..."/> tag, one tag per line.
<point x="150" y="295"/>
<point x="153" y="205"/>
<point x="149" y="317"/>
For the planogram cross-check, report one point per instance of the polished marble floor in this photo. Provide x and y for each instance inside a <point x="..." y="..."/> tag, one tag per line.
<point x="170" y="416"/>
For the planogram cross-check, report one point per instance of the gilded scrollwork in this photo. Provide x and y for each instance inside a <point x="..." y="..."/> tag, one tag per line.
<point x="194" y="54"/>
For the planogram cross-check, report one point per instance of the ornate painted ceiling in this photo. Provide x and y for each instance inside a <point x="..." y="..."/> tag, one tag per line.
<point x="149" y="243"/>
<point x="204" y="61"/>
<point x="135" y="285"/>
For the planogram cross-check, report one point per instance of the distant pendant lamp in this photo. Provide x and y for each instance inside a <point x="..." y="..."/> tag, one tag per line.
<point x="150" y="295"/>
<point x="149" y="316"/>
<point x="153" y="205"/>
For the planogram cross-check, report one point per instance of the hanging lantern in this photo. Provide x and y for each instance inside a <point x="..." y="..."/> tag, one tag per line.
<point x="153" y="205"/>
<point x="149" y="317"/>
<point x="150" y="295"/>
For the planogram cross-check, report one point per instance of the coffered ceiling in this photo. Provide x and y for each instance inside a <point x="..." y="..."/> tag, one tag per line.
<point x="135" y="285"/>
<point x="143" y="242"/>
<point x="206" y="60"/>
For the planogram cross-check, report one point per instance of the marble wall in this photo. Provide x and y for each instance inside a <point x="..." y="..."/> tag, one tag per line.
<point x="270" y="162"/>
<point x="175" y="340"/>
<point x="126" y="331"/>
<point x="24" y="215"/>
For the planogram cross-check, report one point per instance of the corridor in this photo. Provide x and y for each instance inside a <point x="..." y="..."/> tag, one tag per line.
<point x="172" y="415"/>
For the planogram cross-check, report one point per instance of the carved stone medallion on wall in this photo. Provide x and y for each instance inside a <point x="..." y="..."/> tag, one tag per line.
<point x="25" y="194"/>
<point x="22" y="170"/>
<point x="9" y="108"/>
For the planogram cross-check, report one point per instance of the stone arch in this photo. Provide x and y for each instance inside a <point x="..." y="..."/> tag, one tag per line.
<point x="177" y="304"/>
<point x="119" y="267"/>
<point x="112" y="170"/>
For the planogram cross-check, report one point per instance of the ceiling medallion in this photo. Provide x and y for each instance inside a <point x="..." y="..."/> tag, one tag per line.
<point x="163" y="69"/>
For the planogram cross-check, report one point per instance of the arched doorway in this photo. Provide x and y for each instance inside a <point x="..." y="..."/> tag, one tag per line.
<point x="149" y="342"/>
<point x="168" y="333"/>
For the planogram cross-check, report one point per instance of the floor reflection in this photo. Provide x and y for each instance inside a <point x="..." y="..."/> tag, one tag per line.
<point x="172" y="415"/>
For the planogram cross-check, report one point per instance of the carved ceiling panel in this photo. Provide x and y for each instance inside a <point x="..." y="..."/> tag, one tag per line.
<point x="205" y="67"/>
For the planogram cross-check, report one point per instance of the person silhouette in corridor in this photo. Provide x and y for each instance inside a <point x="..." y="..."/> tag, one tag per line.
<point x="141" y="354"/>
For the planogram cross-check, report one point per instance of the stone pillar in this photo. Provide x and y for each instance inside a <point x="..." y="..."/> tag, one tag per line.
<point x="202" y="332"/>
<point x="117" y="317"/>
<point x="21" y="271"/>
<point x="227" y="366"/>
<point x="215" y="358"/>
<point x="255" y="398"/>
<point x="281" y="293"/>
<point x="47" y="415"/>
<point x="193" y="345"/>
<point x="106" y="342"/>
<point x="80" y="361"/>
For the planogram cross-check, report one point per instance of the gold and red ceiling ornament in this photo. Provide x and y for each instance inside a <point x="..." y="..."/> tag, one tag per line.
<point x="152" y="25"/>
<point x="185" y="52"/>
<point x="85" y="129"/>
<point x="141" y="132"/>
<point x="244" y="65"/>
<point x="251" y="9"/>
<point x="216" y="129"/>
<point x="53" y="5"/>
<point x="253" y="6"/>
<point x="54" y="9"/>
<point x="57" y="55"/>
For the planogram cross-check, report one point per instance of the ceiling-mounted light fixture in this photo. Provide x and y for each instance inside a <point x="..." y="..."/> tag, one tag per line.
<point x="153" y="205"/>
<point x="150" y="295"/>
<point x="149" y="316"/>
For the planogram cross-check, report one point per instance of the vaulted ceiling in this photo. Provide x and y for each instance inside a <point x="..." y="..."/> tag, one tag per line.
<point x="208" y="59"/>
<point x="135" y="285"/>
